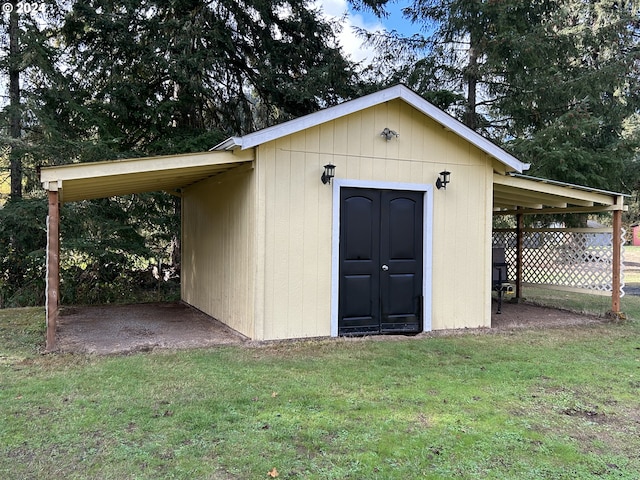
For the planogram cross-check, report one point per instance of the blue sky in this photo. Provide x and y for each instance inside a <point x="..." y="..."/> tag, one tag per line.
<point x="394" y="21"/>
<point x="351" y="44"/>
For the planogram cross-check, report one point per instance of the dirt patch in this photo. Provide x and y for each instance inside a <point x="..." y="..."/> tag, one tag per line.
<point x="109" y="329"/>
<point x="122" y="329"/>
<point x="526" y="315"/>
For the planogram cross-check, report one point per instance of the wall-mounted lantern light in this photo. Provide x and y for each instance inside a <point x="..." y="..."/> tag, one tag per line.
<point x="443" y="180"/>
<point x="328" y="174"/>
<point x="389" y="134"/>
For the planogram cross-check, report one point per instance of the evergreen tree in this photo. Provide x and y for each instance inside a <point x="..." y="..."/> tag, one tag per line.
<point x="555" y="82"/>
<point x="26" y="60"/>
<point x="15" y="121"/>
<point x="572" y="122"/>
<point x="180" y="75"/>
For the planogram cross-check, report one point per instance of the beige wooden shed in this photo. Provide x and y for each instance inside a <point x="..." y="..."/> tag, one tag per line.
<point x="275" y="252"/>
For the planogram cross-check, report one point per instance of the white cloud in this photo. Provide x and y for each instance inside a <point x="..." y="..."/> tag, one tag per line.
<point x="351" y="43"/>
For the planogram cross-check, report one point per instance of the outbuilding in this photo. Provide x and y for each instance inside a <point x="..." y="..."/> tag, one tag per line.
<point x="373" y="216"/>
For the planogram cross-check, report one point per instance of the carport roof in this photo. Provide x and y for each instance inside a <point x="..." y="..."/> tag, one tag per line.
<point x="84" y="181"/>
<point x="515" y="193"/>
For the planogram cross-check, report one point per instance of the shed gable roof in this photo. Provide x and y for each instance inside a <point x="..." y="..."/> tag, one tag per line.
<point x="367" y="101"/>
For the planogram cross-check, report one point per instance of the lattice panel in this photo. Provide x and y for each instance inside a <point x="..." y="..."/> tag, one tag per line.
<point x="508" y="240"/>
<point x="562" y="257"/>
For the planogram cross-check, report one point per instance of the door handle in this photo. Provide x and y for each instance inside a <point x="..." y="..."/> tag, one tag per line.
<point x="385" y="267"/>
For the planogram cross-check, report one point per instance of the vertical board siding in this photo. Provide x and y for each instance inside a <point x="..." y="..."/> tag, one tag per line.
<point x="219" y="249"/>
<point x="297" y="277"/>
<point x="297" y="209"/>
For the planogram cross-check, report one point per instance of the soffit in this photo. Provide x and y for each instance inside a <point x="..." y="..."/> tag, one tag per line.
<point x="524" y="194"/>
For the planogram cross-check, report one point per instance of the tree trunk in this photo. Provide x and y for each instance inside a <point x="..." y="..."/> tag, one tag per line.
<point x="471" y="74"/>
<point x="14" y="99"/>
<point x="176" y="251"/>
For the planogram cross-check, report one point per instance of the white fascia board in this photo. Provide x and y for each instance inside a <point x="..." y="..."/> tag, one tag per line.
<point x="230" y="143"/>
<point x="75" y="171"/>
<point x="362" y="103"/>
<point x="321" y="116"/>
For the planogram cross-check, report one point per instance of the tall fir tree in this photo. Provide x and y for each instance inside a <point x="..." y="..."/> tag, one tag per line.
<point x="555" y="82"/>
<point x="572" y="122"/>
<point x="179" y="75"/>
<point x="27" y="59"/>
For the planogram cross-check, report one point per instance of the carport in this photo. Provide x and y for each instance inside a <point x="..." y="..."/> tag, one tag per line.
<point x="75" y="182"/>
<point x="519" y="195"/>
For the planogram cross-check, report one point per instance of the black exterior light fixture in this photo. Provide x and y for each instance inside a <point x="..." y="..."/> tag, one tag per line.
<point x="389" y="134"/>
<point x="443" y="180"/>
<point x="329" y="173"/>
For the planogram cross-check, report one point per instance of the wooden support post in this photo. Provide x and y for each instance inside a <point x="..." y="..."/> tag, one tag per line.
<point x="519" y="254"/>
<point x="617" y="260"/>
<point x="53" y="269"/>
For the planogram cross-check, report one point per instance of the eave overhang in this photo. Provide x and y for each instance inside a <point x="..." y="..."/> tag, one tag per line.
<point x="170" y="173"/>
<point x="523" y="194"/>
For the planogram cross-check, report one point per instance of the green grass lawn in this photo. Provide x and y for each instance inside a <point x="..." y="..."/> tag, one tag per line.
<point x="537" y="404"/>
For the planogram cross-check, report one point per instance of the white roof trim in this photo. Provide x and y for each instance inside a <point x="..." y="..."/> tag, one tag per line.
<point x="352" y="106"/>
<point x="229" y="144"/>
<point x="569" y="185"/>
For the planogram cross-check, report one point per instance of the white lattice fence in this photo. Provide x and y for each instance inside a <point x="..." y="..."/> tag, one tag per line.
<point x="574" y="258"/>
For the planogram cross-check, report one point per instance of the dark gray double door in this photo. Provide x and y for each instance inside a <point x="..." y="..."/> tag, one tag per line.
<point x="381" y="261"/>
